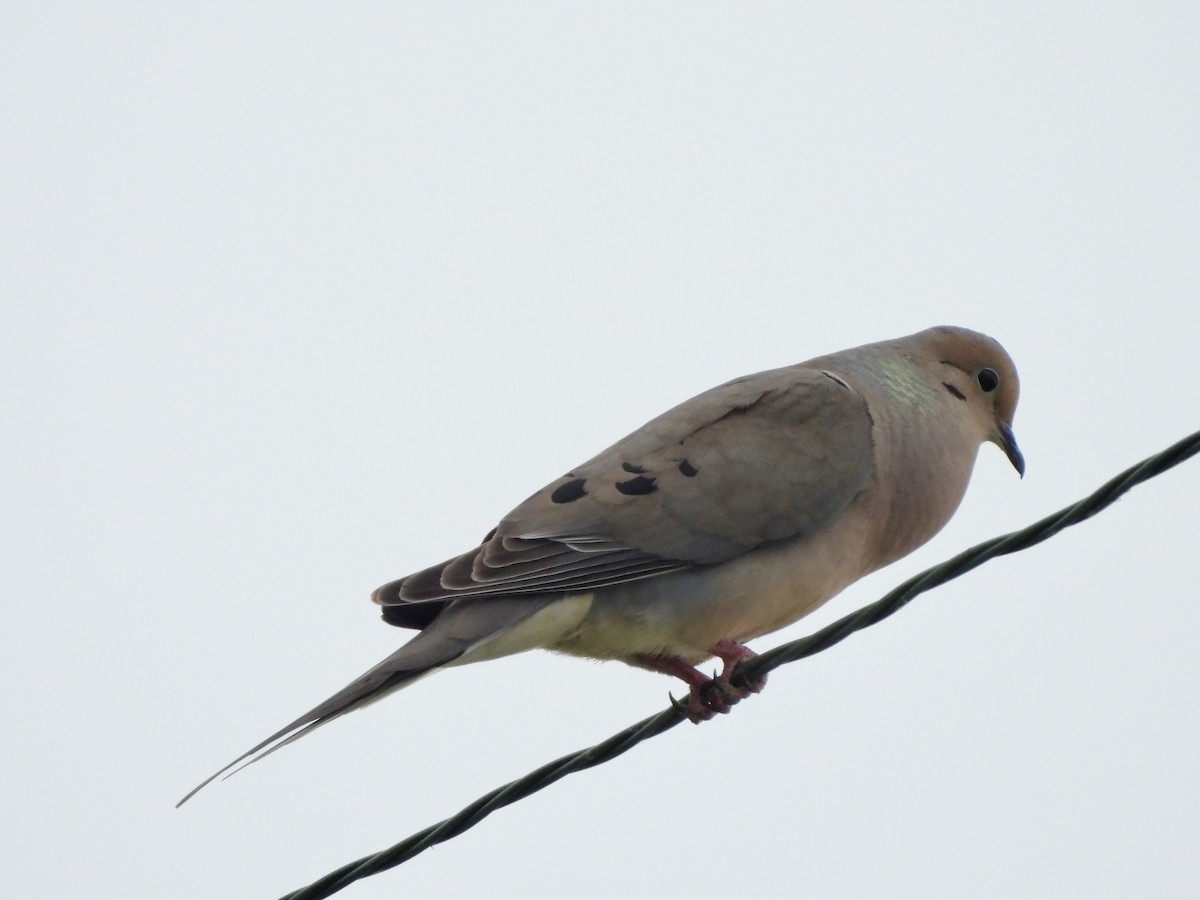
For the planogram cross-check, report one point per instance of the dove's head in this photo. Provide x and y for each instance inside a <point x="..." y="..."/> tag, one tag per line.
<point x="978" y="371"/>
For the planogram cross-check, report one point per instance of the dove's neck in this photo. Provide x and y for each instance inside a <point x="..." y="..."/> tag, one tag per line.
<point x="925" y="449"/>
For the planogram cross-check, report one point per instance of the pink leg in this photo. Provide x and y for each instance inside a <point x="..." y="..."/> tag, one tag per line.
<point x="707" y="696"/>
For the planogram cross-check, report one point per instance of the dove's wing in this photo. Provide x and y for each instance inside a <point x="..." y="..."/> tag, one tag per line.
<point x="763" y="458"/>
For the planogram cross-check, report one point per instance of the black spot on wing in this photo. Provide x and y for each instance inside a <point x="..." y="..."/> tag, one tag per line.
<point x="632" y="468"/>
<point x="687" y="469"/>
<point x="572" y="490"/>
<point x="639" y="485"/>
<point x="955" y="391"/>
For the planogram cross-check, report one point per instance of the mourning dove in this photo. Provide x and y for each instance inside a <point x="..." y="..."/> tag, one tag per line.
<point x="725" y="518"/>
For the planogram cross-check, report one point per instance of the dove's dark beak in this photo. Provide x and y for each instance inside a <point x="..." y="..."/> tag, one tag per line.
<point x="1008" y="443"/>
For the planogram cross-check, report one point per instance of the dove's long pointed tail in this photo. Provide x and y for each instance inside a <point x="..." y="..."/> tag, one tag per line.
<point x="462" y="628"/>
<point x="390" y="675"/>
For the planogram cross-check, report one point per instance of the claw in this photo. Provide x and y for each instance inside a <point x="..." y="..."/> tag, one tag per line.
<point x="706" y="697"/>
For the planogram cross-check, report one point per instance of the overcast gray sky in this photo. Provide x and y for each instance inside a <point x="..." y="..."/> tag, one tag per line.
<point x="299" y="298"/>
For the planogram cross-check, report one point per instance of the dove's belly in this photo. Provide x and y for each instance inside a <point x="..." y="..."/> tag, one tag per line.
<point x="685" y="613"/>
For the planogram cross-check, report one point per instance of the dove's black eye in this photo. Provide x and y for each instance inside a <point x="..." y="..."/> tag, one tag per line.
<point x="988" y="380"/>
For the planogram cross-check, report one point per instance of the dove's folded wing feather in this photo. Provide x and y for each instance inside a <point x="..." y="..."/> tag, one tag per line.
<point x="761" y="459"/>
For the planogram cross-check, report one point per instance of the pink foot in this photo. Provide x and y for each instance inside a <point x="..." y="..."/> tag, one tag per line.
<point x="707" y="696"/>
<point x="731" y="653"/>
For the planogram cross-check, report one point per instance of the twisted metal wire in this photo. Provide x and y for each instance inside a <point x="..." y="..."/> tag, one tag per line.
<point x="751" y="670"/>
